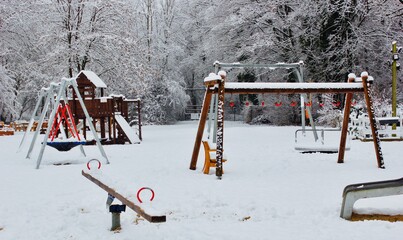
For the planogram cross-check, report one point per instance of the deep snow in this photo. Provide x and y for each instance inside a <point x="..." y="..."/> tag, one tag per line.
<point x="268" y="190"/>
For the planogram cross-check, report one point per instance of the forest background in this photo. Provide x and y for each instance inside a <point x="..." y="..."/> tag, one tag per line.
<point x="161" y="50"/>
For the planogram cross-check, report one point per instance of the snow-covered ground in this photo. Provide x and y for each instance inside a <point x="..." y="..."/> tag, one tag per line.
<point x="268" y="191"/>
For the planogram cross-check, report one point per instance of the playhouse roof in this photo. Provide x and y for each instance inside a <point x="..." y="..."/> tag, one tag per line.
<point x="93" y="78"/>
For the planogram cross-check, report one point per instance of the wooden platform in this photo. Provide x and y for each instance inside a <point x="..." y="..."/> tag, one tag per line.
<point x="381" y="217"/>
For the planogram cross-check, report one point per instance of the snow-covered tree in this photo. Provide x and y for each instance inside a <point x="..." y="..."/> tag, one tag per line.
<point x="154" y="49"/>
<point x="59" y="38"/>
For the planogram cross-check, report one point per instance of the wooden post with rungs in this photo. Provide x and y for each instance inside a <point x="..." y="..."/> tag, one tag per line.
<point x="371" y="115"/>
<point x="220" y="125"/>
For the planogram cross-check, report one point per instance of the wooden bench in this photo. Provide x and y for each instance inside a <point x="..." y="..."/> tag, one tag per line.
<point x="6" y="132"/>
<point x="209" y="158"/>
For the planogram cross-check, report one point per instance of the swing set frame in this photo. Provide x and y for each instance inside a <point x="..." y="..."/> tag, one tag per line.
<point x="217" y="85"/>
<point x="48" y="96"/>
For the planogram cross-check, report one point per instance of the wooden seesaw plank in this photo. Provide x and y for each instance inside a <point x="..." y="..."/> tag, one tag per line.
<point x="127" y="202"/>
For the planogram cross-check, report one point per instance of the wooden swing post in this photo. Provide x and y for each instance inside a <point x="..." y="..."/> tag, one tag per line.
<point x="202" y="124"/>
<point x="344" y="129"/>
<point x="366" y="83"/>
<point x="220" y="124"/>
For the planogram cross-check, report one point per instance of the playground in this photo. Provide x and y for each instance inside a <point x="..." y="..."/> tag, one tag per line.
<point x="269" y="190"/>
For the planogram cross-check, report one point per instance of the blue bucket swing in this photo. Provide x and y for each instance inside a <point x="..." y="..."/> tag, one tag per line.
<point x="66" y="120"/>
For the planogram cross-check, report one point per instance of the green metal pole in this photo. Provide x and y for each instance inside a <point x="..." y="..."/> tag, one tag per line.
<point x="394" y="81"/>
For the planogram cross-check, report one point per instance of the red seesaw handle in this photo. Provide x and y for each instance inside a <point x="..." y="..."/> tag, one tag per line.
<point x="141" y="189"/>
<point x="88" y="163"/>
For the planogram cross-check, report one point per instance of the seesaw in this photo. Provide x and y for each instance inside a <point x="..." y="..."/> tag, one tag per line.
<point x="354" y="192"/>
<point x="116" y="209"/>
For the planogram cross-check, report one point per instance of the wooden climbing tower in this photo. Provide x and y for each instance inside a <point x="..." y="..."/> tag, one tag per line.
<point x="109" y="113"/>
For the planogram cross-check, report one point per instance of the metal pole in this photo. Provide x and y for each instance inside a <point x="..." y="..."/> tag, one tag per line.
<point x="50" y="123"/>
<point x="115" y="221"/>
<point x="394" y="81"/>
<point x="49" y="98"/>
<point x="215" y="101"/>
<point x="300" y="75"/>
<point x="73" y="83"/>
<point x="42" y="95"/>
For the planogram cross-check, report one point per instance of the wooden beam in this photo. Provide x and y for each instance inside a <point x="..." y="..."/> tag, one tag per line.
<point x="291" y="88"/>
<point x="291" y="91"/>
<point x="202" y="124"/>
<point x="124" y="200"/>
<point x="344" y="129"/>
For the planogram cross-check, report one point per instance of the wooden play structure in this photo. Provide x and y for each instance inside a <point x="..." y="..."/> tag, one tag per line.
<point x="111" y="114"/>
<point x="216" y="85"/>
<point x="354" y="192"/>
<point x="117" y="119"/>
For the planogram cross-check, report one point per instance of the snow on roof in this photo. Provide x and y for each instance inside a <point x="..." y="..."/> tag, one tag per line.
<point x="93" y="78"/>
<point x="212" y="77"/>
<point x="116" y="95"/>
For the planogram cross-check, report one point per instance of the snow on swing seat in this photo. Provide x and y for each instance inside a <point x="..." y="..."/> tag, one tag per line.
<point x="319" y="148"/>
<point x="326" y="143"/>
